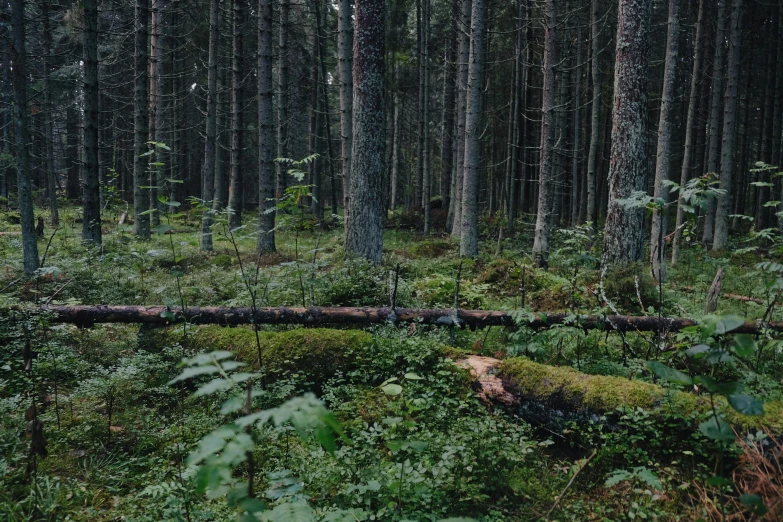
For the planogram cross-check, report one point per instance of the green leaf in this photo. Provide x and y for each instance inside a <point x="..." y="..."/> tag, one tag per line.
<point x="669" y="374"/>
<point x="728" y="323"/>
<point x="697" y="351"/>
<point x="719" y="481"/>
<point x="745" y="404"/>
<point x="189" y="373"/>
<point x="213" y="386"/>
<point x="744" y="345"/>
<point x="755" y="502"/>
<point x="413" y="377"/>
<point x="716" y="428"/>
<point x="418" y="445"/>
<point x="163" y="228"/>
<point x="392" y="389"/>
<point x="715" y="386"/>
<point x="298" y="511"/>
<point x="395" y="445"/>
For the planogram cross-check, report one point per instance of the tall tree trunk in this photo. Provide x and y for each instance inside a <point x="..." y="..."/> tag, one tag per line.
<point x="516" y="108"/>
<point x="418" y="181"/>
<point x="5" y="99"/>
<point x="763" y="215"/>
<point x="235" y="184"/>
<point x="722" y="210"/>
<point x="623" y="233"/>
<point x="469" y="216"/>
<point x="395" y="166"/>
<point x="51" y="173"/>
<point x="546" y="188"/>
<point x="91" y="200"/>
<point x="716" y="94"/>
<point x="595" y="116"/>
<point x="364" y="236"/>
<point x="427" y="171"/>
<point x="282" y="103"/>
<point x="210" y="145"/>
<point x="577" y="120"/>
<point x="25" y="196"/>
<point x="344" y="61"/>
<point x="141" y="224"/>
<point x="690" y="129"/>
<point x="447" y="131"/>
<point x="664" y="150"/>
<point x="266" y="168"/>
<point x="462" y="87"/>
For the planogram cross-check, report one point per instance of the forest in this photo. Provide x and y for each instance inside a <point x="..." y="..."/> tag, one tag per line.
<point x="391" y="260"/>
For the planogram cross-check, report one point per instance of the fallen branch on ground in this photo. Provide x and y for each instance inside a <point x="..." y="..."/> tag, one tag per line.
<point x="86" y="315"/>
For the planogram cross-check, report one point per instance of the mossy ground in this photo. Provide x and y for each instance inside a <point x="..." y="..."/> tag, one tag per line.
<point x="480" y="462"/>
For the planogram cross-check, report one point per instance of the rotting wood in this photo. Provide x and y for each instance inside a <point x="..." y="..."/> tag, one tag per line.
<point x="711" y="302"/>
<point x="87" y="315"/>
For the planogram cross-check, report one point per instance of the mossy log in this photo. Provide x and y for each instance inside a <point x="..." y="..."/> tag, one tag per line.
<point x="566" y="386"/>
<point x="316" y="351"/>
<point x="87" y="316"/>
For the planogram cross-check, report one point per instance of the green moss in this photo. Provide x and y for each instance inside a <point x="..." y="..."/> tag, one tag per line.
<point x="433" y="248"/>
<point x="604" y="394"/>
<point x="317" y="351"/>
<point x="620" y="286"/>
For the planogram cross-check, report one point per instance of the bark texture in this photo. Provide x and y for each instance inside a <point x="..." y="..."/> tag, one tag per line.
<point x="235" y="180"/>
<point x="723" y="204"/>
<point x="462" y="89"/>
<point x="472" y="163"/>
<point x="344" y="64"/>
<point x="595" y="115"/>
<point x="546" y="186"/>
<point x="141" y="224"/>
<point x="664" y="151"/>
<point x="266" y="167"/>
<point x="364" y="235"/>
<point x="210" y="145"/>
<point x="91" y="200"/>
<point x="24" y="185"/>
<point x="624" y="232"/>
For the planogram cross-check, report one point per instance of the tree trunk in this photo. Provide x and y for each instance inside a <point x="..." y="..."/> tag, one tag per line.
<point x="51" y="173"/>
<point x="664" y="151"/>
<point x="624" y="232"/>
<point x="462" y="87"/>
<point x="418" y="181"/>
<point x="722" y="211"/>
<point x="716" y="92"/>
<point x="210" y="152"/>
<point x="576" y="142"/>
<point x="546" y="188"/>
<point x="24" y="188"/>
<point x="344" y="61"/>
<point x="516" y="109"/>
<point x="447" y="131"/>
<point x="470" y="181"/>
<point x="427" y="172"/>
<point x="282" y="104"/>
<point x="690" y="129"/>
<point x="595" y="116"/>
<point x="364" y="236"/>
<point x="395" y="166"/>
<point x="266" y="167"/>
<point x="91" y="200"/>
<point x="141" y="224"/>
<point x="235" y="185"/>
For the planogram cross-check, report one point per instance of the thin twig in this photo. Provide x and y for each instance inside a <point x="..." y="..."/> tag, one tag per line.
<point x="562" y="494"/>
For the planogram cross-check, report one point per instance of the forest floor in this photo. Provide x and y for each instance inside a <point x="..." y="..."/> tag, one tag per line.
<point x="410" y="434"/>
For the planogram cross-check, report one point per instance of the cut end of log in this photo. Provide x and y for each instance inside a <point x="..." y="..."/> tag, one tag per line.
<point x="490" y="387"/>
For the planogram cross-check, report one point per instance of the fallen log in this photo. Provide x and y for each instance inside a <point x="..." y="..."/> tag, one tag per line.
<point x="88" y="315"/>
<point x="518" y="381"/>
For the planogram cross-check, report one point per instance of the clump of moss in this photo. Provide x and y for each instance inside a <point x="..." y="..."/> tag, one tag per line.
<point x="620" y="287"/>
<point x="223" y="260"/>
<point x="317" y="351"/>
<point x="604" y="394"/>
<point x="433" y="248"/>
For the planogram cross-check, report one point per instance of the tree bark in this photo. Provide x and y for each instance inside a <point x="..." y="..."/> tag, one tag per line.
<point x="546" y="188"/>
<point x="427" y="171"/>
<point x="24" y="185"/>
<point x="141" y="224"/>
<point x="266" y="168"/>
<point x="364" y="236"/>
<point x="690" y="130"/>
<point x="623" y="232"/>
<point x="664" y="150"/>
<point x="91" y="198"/>
<point x="716" y="92"/>
<point x="472" y="163"/>
<point x="447" y="131"/>
<point x="51" y="173"/>
<point x="722" y="210"/>
<point x="282" y="104"/>
<point x="462" y="89"/>
<point x="344" y="61"/>
<point x="86" y="316"/>
<point x="576" y="142"/>
<point x="210" y="152"/>
<point x="595" y="116"/>
<point x="235" y="184"/>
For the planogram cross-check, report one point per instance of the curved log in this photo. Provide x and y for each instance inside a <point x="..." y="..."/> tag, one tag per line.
<point x="87" y="315"/>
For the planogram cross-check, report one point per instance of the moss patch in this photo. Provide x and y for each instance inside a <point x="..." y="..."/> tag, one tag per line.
<point x="604" y="394"/>
<point x="317" y="351"/>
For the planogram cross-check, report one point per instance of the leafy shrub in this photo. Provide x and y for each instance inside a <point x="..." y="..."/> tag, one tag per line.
<point x="439" y="290"/>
